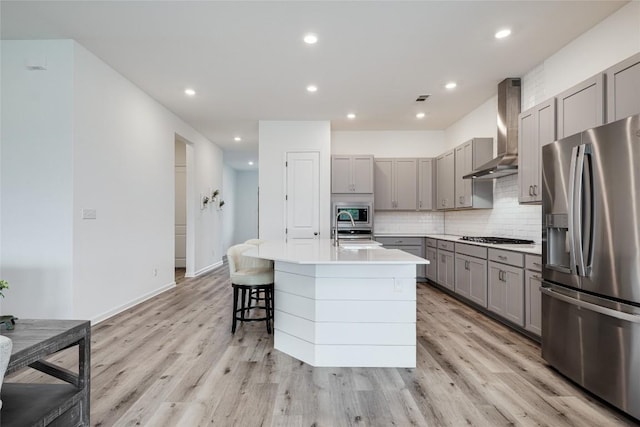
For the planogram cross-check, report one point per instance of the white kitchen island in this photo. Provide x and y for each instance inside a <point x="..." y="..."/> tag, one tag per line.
<point x="343" y="307"/>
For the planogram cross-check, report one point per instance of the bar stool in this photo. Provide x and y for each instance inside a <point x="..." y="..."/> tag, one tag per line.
<point x="256" y="295"/>
<point x="249" y="275"/>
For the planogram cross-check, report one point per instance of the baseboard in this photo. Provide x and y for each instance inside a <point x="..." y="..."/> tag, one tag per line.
<point x="108" y="314"/>
<point x="205" y="269"/>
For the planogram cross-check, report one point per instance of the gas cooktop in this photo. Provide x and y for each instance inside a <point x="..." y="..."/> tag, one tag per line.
<point x="496" y="240"/>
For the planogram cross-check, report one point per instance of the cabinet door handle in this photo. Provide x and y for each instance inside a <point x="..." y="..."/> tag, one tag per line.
<point x="504" y="258"/>
<point x="531" y="190"/>
<point x="535" y="190"/>
<point x="421" y="203"/>
<point x="466" y="265"/>
<point x="536" y="277"/>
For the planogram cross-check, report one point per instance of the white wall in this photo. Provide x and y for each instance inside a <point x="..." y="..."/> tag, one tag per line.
<point x="229" y="195"/>
<point x="37" y="173"/>
<point x="613" y="40"/>
<point x="389" y="143"/>
<point x="276" y="138"/>
<point x="246" y="210"/>
<point x="91" y="139"/>
<point x="481" y="122"/>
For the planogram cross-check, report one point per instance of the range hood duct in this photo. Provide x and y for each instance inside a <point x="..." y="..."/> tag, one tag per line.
<point x="506" y="161"/>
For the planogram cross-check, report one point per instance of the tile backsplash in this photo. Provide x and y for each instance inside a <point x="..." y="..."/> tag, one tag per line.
<point x="409" y="222"/>
<point x="506" y="219"/>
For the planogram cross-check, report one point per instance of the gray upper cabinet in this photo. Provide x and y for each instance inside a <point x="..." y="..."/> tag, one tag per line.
<point x="623" y="89"/>
<point x="396" y="184"/>
<point x="426" y="184"/>
<point x="445" y="182"/>
<point x="352" y="174"/>
<point x="537" y="127"/>
<point x="470" y="193"/>
<point x="581" y="107"/>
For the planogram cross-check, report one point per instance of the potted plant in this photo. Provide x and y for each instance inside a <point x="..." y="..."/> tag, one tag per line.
<point x="8" y="320"/>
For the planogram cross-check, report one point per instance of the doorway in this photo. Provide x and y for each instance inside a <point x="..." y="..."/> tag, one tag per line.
<point x="183" y="218"/>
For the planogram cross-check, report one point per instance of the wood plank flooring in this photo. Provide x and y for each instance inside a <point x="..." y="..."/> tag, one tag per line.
<point x="172" y="361"/>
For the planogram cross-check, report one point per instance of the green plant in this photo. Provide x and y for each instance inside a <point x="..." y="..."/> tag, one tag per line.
<point x="3" y="285"/>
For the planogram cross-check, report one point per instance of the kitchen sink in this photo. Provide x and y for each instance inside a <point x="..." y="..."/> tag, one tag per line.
<point x="360" y="244"/>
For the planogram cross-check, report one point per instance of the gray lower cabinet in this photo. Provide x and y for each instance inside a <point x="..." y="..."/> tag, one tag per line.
<point x="471" y="273"/>
<point x="581" y="107"/>
<point x="446" y="264"/>
<point x="431" y="253"/>
<point x="532" y="294"/>
<point x="506" y="285"/>
<point x="623" y="89"/>
<point x="412" y="245"/>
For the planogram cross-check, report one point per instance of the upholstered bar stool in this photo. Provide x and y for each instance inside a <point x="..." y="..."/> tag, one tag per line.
<point x="249" y="275"/>
<point x="257" y="296"/>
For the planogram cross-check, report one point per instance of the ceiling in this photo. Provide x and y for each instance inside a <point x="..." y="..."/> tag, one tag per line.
<point x="247" y="60"/>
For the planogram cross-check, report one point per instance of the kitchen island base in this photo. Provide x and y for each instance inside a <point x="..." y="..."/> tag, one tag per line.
<point x="346" y="315"/>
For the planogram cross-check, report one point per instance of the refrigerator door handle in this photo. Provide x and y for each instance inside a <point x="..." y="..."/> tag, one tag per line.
<point x="572" y="206"/>
<point x="577" y="211"/>
<point x="592" y="307"/>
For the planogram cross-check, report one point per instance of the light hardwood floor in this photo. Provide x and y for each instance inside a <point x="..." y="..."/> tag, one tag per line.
<point x="172" y="361"/>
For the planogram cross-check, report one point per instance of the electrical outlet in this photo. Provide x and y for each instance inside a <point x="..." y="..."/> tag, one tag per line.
<point x="397" y="286"/>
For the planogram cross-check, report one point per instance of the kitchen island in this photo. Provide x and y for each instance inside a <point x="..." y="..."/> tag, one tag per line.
<point x="349" y="306"/>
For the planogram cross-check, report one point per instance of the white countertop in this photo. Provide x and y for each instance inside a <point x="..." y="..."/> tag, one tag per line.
<point x="535" y="249"/>
<point x="322" y="251"/>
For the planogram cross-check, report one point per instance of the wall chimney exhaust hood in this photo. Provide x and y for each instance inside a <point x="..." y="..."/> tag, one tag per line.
<point x="506" y="161"/>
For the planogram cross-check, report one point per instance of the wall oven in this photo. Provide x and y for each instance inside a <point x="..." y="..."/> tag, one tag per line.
<point x="362" y="213"/>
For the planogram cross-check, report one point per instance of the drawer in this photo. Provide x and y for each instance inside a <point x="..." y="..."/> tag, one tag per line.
<point x="471" y="250"/>
<point x="506" y="257"/>
<point x="533" y="262"/>
<point x="432" y="243"/>
<point x="446" y="245"/>
<point x="407" y="241"/>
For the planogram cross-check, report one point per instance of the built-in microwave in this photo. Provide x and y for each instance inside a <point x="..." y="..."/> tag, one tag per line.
<point x="362" y="213"/>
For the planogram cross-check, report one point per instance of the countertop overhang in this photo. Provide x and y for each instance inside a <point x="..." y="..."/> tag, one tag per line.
<point x="322" y="251"/>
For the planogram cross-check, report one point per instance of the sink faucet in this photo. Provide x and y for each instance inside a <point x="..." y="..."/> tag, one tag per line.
<point x="336" y="240"/>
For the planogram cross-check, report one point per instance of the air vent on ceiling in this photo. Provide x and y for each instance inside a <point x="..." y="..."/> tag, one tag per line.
<point x="422" y="98"/>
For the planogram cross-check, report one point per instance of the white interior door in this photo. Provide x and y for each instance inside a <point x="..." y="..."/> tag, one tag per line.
<point x="303" y="195"/>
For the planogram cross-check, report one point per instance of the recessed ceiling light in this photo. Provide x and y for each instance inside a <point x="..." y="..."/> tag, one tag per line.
<point x="420" y="115"/>
<point x="312" y="88"/>
<point x="237" y="139"/>
<point x="250" y="163"/>
<point x="189" y="92"/>
<point x="310" y="38"/>
<point x="351" y="116"/>
<point x="451" y="85"/>
<point x="503" y="33"/>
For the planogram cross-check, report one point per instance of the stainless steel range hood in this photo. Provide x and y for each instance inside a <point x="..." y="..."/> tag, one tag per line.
<point x="506" y="161"/>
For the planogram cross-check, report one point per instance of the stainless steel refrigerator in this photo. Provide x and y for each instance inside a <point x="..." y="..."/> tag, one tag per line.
<point x="591" y="253"/>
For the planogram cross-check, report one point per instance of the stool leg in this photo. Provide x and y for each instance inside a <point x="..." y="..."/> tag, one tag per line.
<point x="243" y="306"/>
<point x="235" y="305"/>
<point x="267" y="305"/>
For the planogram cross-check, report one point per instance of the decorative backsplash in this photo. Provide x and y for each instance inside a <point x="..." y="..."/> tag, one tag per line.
<point x="506" y="219"/>
<point x="409" y="222"/>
